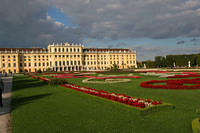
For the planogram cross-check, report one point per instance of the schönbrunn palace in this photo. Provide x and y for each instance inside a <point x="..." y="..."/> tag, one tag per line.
<point x="64" y="57"/>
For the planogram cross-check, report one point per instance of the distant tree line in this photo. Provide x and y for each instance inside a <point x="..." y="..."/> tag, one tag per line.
<point x="171" y="60"/>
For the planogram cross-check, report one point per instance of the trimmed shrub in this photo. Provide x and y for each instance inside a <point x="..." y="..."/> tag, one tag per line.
<point x="39" y="71"/>
<point x="196" y="125"/>
<point x="57" y="81"/>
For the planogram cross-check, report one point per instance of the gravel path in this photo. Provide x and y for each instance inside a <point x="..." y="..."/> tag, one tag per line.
<point x="5" y="112"/>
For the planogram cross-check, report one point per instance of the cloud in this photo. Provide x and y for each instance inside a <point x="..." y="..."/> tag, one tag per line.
<point x="119" y="19"/>
<point x="180" y="42"/>
<point x="26" y="23"/>
<point x="147" y="53"/>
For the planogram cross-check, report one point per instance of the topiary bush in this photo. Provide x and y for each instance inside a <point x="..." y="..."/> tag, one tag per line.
<point x="39" y="71"/>
<point x="196" y="125"/>
<point x="57" y="81"/>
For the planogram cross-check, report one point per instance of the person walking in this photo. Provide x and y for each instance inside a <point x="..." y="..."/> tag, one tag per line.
<point x="1" y="91"/>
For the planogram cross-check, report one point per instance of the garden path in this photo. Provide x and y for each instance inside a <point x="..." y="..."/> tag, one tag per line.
<point x="5" y="112"/>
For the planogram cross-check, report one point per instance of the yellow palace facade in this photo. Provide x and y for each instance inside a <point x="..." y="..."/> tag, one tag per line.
<point x="64" y="57"/>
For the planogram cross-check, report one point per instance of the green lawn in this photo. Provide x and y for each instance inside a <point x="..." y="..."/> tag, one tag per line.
<point x="40" y="108"/>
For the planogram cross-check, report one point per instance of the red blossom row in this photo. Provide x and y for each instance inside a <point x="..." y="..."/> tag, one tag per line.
<point x="122" y="98"/>
<point x="173" y="84"/>
<point x="72" y="75"/>
<point x="184" y="76"/>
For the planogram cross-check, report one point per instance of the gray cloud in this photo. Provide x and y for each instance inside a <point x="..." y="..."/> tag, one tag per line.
<point x="180" y="42"/>
<point x="25" y="23"/>
<point x="147" y="53"/>
<point x="119" y="19"/>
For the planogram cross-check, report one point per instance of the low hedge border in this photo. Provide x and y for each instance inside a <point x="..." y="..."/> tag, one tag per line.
<point x="196" y="125"/>
<point x="163" y="106"/>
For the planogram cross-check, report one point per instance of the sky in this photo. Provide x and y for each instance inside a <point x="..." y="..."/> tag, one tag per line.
<point x="151" y="27"/>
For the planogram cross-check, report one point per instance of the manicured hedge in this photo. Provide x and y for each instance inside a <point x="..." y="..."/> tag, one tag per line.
<point x="196" y="125"/>
<point x="57" y="81"/>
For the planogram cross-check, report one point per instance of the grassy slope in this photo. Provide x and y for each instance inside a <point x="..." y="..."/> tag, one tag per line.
<point x="39" y="108"/>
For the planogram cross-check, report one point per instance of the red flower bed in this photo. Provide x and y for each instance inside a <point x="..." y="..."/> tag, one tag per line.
<point x="173" y="84"/>
<point x="184" y="76"/>
<point x="122" y="98"/>
<point x="72" y="75"/>
<point x="155" y="71"/>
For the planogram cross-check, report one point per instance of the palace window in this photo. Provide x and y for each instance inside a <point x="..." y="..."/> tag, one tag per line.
<point x="63" y="50"/>
<point x="59" y="50"/>
<point x="35" y="64"/>
<point x="55" y="50"/>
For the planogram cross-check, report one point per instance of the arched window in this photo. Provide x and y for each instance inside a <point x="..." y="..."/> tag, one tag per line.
<point x="55" y="49"/>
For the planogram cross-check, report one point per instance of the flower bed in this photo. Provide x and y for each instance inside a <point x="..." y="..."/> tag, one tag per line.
<point x="173" y="84"/>
<point x="122" y="98"/>
<point x="72" y="75"/>
<point x="184" y="76"/>
<point x="116" y="80"/>
<point x="140" y="103"/>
